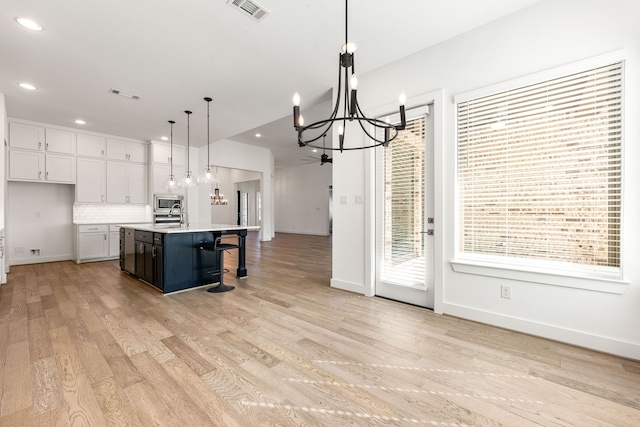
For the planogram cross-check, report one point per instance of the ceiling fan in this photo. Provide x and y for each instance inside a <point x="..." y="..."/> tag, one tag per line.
<point x="324" y="158"/>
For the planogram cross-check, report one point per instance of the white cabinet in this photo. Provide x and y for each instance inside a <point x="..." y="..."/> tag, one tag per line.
<point x="39" y="138"/>
<point x="92" y="242"/>
<point x="36" y="166"/>
<point x="91" y="181"/>
<point x="159" y="173"/>
<point x="59" y="141"/>
<point x="114" y="241"/>
<point x="91" y="146"/>
<point x="127" y="151"/>
<point x="29" y="137"/>
<point x="161" y="153"/>
<point x="97" y="242"/>
<point x="126" y="183"/>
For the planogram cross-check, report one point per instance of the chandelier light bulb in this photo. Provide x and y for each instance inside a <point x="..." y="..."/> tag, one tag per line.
<point x="296" y="99"/>
<point x="349" y="47"/>
<point x="340" y="130"/>
<point x="354" y="82"/>
<point x="301" y="121"/>
<point x="403" y="98"/>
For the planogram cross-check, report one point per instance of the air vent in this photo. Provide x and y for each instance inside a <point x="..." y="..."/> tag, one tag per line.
<point x="249" y="7"/>
<point x="124" y="94"/>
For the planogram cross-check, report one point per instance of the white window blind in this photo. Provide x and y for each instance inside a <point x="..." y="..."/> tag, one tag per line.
<point x="403" y="169"/>
<point x="539" y="171"/>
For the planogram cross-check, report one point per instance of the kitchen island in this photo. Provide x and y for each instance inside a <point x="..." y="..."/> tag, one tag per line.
<point x="171" y="257"/>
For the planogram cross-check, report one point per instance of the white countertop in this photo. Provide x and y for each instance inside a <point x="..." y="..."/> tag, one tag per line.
<point x="192" y="228"/>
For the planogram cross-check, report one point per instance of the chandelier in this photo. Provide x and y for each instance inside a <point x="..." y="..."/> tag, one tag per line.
<point x="348" y="99"/>
<point x="216" y="197"/>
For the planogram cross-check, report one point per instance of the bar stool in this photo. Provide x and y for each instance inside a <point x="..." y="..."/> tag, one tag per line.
<point x="221" y="247"/>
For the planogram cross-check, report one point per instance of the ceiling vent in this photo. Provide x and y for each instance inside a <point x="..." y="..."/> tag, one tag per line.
<point x="249" y="7"/>
<point x="124" y="94"/>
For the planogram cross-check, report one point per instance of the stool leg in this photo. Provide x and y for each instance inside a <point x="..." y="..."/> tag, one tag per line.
<point x="221" y="287"/>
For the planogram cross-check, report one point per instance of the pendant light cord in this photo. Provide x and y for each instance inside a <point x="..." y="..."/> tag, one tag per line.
<point x="188" y="170"/>
<point x="171" y="150"/>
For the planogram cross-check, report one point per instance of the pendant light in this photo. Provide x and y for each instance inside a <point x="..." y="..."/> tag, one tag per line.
<point x="187" y="180"/>
<point x="206" y="176"/>
<point x="170" y="184"/>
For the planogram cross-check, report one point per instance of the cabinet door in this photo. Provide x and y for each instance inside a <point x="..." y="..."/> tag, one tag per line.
<point x="90" y="182"/>
<point x="92" y="245"/>
<point x="26" y="136"/>
<point x="160" y="153"/>
<point x="179" y="155"/>
<point x="137" y="184"/>
<point x="114" y="243"/>
<point x="160" y="173"/>
<point x="116" y="149"/>
<point x="137" y="152"/>
<point x="158" y="265"/>
<point x="60" y="141"/>
<point x="116" y="182"/>
<point x="60" y="168"/>
<point x="26" y="165"/>
<point x="90" y="146"/>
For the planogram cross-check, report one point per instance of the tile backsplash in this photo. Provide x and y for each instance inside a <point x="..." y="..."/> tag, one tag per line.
<point x="104" y="214"/>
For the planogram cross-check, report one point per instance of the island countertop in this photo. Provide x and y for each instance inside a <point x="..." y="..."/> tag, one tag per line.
<point x="192" y="228"/>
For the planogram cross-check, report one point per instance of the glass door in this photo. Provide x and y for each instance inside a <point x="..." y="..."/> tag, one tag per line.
<point x="404" y="213"/>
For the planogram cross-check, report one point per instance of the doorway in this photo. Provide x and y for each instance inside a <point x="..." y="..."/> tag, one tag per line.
<point x="404" y="224"/>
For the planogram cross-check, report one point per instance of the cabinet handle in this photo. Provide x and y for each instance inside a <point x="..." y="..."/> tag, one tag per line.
<point x="47" y="174"/>
<point x="39" y="145"/>
<point x="105" y="237"/>
<point x="153" y="252"/>
<point x="102" y="153"/>
<point x="102" y="197"/>
<point x="39" y="174"/>
<point x="46" y="146"/>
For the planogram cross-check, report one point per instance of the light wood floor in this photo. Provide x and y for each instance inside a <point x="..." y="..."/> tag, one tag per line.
<point x="89" y="345"/>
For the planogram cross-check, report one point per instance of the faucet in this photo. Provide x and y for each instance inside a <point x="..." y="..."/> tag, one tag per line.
<point x="182" y="213"/>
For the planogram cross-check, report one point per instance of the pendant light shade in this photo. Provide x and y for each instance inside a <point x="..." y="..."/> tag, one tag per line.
<point x="170" y="184"/>
<point x="188" y="180"/>
<point x="206" y="176"/>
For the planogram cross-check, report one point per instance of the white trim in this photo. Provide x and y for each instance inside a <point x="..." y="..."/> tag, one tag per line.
<point x="548" y="331"/>
<point x="563" y="70"/>
<point x="348" y="286"/>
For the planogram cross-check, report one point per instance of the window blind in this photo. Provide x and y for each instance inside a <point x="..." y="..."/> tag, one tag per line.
<point x="403" y="167"/>
<point x="539" y="170"/>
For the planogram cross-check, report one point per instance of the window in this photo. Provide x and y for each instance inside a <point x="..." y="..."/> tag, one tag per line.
<point x="539" y="173"/>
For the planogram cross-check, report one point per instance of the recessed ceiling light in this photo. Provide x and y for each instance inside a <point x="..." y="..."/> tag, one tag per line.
<point x="80" y="122"/>
<point x="258" y="135"/>
<point x="28" y="23"/>
<point x="27" y="86"/>
<point x="164" y="138"/>
<point x="315" y="150"/>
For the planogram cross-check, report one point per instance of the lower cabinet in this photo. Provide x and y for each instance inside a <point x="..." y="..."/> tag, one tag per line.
<point x="149" y="257"/>
<point x="97" y="242"/>
<point x="92" y="242"/>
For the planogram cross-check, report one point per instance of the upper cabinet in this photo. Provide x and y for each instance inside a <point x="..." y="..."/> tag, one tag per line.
<point x="26" y="136"/>
<point x="127" y="151"/>
<point x="59" y="141"/>
<point x="91" y="146"/>
<point x="161" y="153"/>
<point x="38" y="138"/>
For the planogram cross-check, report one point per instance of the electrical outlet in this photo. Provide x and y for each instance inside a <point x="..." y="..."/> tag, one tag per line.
<point x="505" y="291"/>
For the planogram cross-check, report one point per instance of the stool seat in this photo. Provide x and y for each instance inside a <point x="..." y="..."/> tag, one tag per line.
<point x="220" y="246"/>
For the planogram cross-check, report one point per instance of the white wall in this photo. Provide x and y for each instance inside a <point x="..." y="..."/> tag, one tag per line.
<point x="234" y="155"/>
<point x="302" y="199"/>
<point x="40" y="216"/>
<point x="547" y="35"/>
<point x="4" y="134"/>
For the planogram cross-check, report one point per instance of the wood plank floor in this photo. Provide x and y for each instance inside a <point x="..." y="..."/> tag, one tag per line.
<point x="89" y="345"/>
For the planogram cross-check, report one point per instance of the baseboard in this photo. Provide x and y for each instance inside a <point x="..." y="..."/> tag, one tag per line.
<point x="40" y="259"/>
<point x="347" y="286"/>
<point x="308" y="233"/>
<point x="577" y="338"/>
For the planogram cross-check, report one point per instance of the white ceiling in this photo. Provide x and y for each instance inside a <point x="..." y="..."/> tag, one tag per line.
<point x="174" y="53"/>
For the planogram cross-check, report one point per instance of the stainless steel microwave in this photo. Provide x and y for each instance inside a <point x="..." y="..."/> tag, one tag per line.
<point x="162" y="203"/>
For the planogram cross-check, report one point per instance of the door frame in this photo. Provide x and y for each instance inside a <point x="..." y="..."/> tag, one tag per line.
<point x="436" y="98"/>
